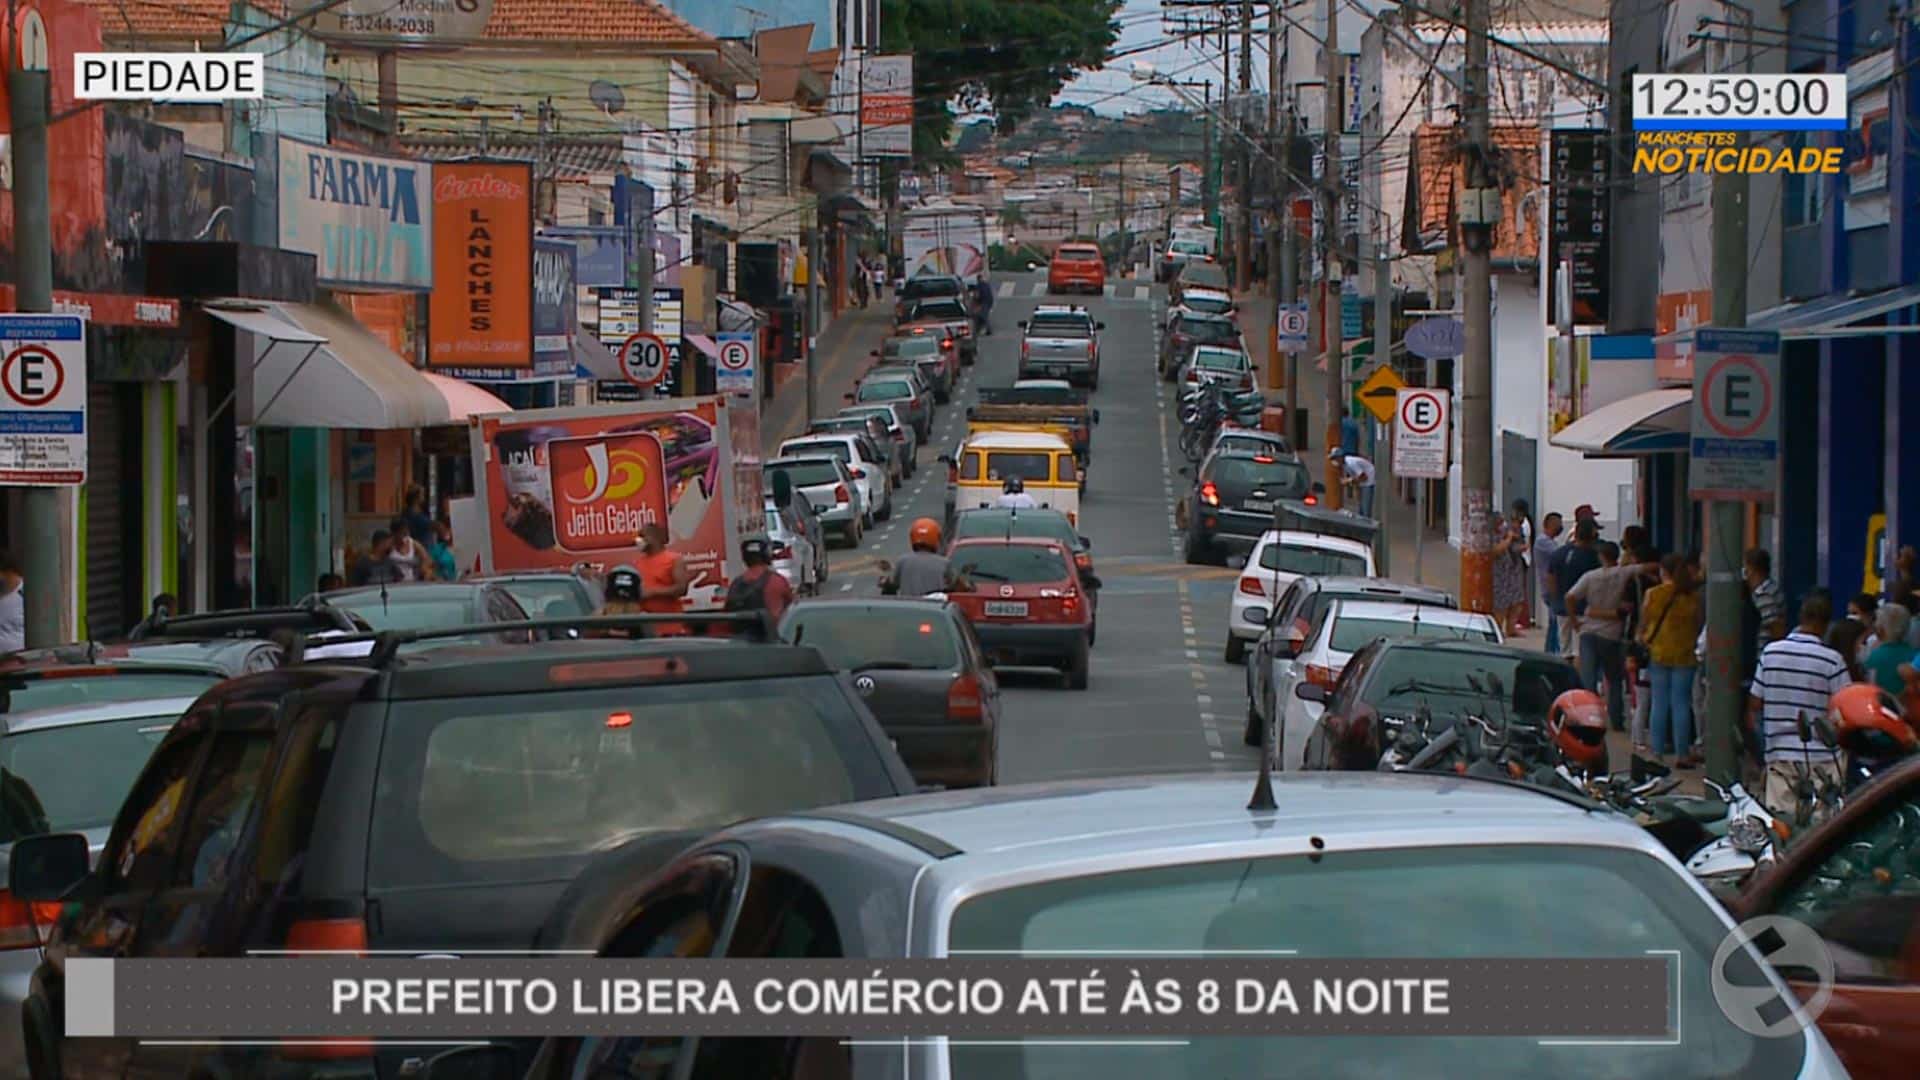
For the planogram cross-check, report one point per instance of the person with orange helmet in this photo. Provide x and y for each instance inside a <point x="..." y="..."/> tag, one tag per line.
<point x="1577" y="724"/>
<point x="921" y="571"/>
<point x="1869" y="727"/>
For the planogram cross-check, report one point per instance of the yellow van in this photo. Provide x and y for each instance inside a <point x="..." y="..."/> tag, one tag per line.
<point x="978" y="471"/>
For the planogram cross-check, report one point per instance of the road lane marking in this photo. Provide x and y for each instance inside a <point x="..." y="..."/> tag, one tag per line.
<point x="1039" y="289"/>
<point x="1006" y="288"/>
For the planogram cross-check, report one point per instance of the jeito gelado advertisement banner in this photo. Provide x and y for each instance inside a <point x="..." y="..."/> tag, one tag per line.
<point x="571" y="489"/>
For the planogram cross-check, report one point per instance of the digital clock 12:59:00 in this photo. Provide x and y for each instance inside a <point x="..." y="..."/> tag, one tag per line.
<point x="1739" y="102"/>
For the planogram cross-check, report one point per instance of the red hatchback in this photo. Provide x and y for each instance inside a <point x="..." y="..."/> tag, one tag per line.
<point x="1027" y="601"/>
<point x="1077" y="268"/>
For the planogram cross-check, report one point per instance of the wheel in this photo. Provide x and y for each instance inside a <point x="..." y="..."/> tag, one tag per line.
<point x="1236" y="650"/>
<point x="1196" y="550"/>
<point x="1093" y="633"/>
<point x="1076" y="674"/>
<point x="886" y="510"/>
<point x="43" y="1051"/>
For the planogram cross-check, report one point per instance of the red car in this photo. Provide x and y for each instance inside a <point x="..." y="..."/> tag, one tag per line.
<point x="1027" y="601"/>
<point x="1077" y="268"/>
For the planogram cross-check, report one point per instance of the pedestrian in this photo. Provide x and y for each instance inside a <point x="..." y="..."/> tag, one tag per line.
<point x="13" y="605"/>
<point x="440" y="551"/>
<point x="860" y="282"/>
<point x="1356" y="476"/>
<point x="409" y="556"/>
<point x="377" y="567"/>
<point x="759" y="587"/>
<point x="1570" y="563"/>
<point x="1673" y="616"/>
<point x="1844" y="637"/>
<point x="1758" y="572"/>
<point x="877" y="270"/>
<point x="1586" y="512"/>
<point x="983" y="304"/>
<point x="664" y="578"/>
<point x="1545" y="547"/>
<point x="414" y="510"/>
<point x="1891" y="623"/>
<point x="1797" y="678"/>
<point x="1905" y="583"/>
<point x="1597" y="608"/>
<point x="1509" y="573"/>
<point x="1863" y="609"/>
<point x="1523" y="513"/>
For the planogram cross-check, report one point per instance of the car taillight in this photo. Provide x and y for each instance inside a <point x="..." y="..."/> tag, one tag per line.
<point x="1250" y="586"/>
<point x="331" y="937"/>
<point x="858" y="474"/>
<point x="964" y="699"/>
<point x="1311" y="500"/>
<point x="1070" y="604"/>
<point x="839" y="493"/>
<point x="1026" y="349"/>
<point x="1246" y="380"/>
<point x="24" y="924"/>
<point x="1210" y="494"/>
<point x="1322" y="676"/>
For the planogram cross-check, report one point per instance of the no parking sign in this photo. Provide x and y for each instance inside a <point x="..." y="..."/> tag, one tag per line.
<point x="1420" y="434"/>
<point x="43" y="400"/>
<point x="734" y="371"/>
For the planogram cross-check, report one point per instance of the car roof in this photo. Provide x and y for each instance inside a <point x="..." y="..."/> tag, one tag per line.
<point x="1377" y="586"/>
<point x="1260" y="434"/>
<point x="1208" y="316"/>
<point x="801" y="459"/>
<point x="1009" y="541"/>
<point x="1016" y="440"/>
<point x="1042" y="384"/>
<point x="94" y="712"/>
<point x="1476" y="648"/>
<point x="506" y="576"/>
<point x="872" y="603"/>
<point x="1294" y="538"/>
<point x="1217" y="349"/>
<point x="979" y="512"/>
<point x="1200" y="290"/>
<point x="405" y="589"/>
<point x="1399" y="612"/>
<point x="1062" y="309"/>
<point x="820" y="436"/>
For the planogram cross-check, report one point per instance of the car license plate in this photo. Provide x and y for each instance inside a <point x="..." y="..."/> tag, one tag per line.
<point x="1262" y="505"/>
<point x="1013" y="608"/>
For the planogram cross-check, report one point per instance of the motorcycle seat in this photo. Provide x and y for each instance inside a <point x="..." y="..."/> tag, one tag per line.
<point x="1701" y="808"/>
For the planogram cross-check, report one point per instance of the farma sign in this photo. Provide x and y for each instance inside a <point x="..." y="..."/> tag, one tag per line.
<point x="366" y="218"/>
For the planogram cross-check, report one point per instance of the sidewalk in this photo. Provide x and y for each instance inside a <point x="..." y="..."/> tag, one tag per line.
<point x="842" y="353"/>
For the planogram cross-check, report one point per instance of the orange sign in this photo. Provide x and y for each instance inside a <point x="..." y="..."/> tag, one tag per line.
<point x="606" y="489"/>
<point x="481" y="311"/>
<point x="1672" y="313"/>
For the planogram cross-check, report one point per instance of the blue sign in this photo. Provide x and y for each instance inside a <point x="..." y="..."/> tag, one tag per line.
<point x="601" y="259"/>
<point x="1438" y="338"/>
<point x="556" y="304"/>
<point x="734" y="368"/>
<point x="1352" y="326"/>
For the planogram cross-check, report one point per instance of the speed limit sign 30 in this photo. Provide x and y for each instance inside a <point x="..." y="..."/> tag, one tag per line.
<point x="643" y="359"/>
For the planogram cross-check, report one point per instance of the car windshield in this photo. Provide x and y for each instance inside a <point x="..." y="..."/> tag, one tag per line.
<point x="527" y="787"/>
<point x="1220" y="360"/>
<point x="548" y="598"/>
<point x="1352" y="634"/>
<point x="905" y="638"/>
<point x="1280" y="478"/>
<point x="929" y="286"/>
<point x="72" y="778"/>
<point x="820" y="448"/>
<point x="399" y="611"/>
<point x="1451" y="902"/>
<point x="1067" y="326"/>
<point x="1453" y="681"/>
<point x="59" y="692"/>
<point x="1316" y="561"/>
<point x="884" y="390"/>
<point x="1212" y="330"/>
<point x="1012" y="564"/>
<point x="807" y="473"/>
<point x="1207" y="302"/>
<point x="1042" y="524"/>
<point x="1189" y="247"/>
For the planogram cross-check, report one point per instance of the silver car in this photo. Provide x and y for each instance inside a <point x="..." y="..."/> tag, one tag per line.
<point x="1360" y="866"/>
<point x="64" y="769"/>
<point x="794" y="554"/>
<point x="826" y="482"/>
<point x="898" y="426"/>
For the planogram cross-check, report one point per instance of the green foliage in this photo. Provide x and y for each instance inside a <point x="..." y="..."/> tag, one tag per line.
<point x="1016" y="258"/>
<point x="1011" y="214"/>
<point x="1011" y="56"/>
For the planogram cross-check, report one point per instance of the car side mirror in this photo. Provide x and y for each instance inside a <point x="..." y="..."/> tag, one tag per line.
<point x="1099" y="326"/>
<point x="48" y="867"/>
<point x="474" y="1063"/>
<point x="1308" y="691"/>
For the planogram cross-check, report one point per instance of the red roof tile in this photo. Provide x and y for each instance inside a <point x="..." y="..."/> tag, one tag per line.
<point x="1439" y="174"/>
<point x="641" y="22"/>
<point x="134" y="21"/>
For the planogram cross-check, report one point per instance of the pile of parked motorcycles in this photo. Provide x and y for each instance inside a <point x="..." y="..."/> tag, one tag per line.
<point x="1208" y="407"/>
<point x="1721" y="837"/>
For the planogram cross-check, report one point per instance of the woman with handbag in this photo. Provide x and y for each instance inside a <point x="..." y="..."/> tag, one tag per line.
<point x="1509" y="574"/>
<point x="1670" y="621"/>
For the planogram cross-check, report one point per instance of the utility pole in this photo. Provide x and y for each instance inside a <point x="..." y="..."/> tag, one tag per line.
<point x="1207" y="190"/>
<point x="41" y="531"/>
<point x="1330" y="185"/>
<point x="813" y="321"/>
<point x="1243" y="250"/>
<point x="1383" y="353"/>
<point x="1290" y="293"/>
<point x="1726" y="521"/>
<point x="1477" y="222"/>
<point x="1276" y="152"/>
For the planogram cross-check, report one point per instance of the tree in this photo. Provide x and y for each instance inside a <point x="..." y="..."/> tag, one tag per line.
<point x="1011" y="56"/>
<point x="1011" y="214"/>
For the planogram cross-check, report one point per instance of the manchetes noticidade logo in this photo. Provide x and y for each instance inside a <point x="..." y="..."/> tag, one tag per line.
<point x="1669" y="152"/>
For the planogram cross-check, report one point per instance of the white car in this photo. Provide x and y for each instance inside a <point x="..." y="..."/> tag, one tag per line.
<point x="1277" y="560"/>
<point x="794" y="554"/>
<point x="1344" y="628"/>
<point x="1204" y="301"/>
<point x="871" y="476"/>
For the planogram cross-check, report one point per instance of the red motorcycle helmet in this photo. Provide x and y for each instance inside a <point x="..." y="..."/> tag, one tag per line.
<point x="1866" y="720"/>
<point x="1577" y="724"/>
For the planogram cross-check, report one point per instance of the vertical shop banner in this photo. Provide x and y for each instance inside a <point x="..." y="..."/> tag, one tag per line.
<point x="367" y="219"/>
<point x="633" y="213"/>
<point x="555" y="306"/>
<point x="886" y="106"/>
<point x="669" y="323"/>
<point x="1569" y="375"/>
<point x="1581" y="171"/>
<point x="480" y="317"/>
<point x="1869" y="140"/>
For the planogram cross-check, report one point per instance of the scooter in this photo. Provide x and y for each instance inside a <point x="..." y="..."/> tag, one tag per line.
<point x="1748" y="839"/>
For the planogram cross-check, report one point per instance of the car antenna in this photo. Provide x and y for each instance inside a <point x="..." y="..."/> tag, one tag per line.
<point x="1263" y="787"/>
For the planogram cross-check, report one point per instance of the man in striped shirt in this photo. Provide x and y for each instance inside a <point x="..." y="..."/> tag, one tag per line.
<point x="1797" y="677"/>
<point x="1766" y="596"/>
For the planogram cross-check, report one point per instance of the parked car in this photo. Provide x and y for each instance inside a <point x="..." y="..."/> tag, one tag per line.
<point x="876" y="433"/>
<point x="918" y="667"/>
<point x="795" y="555"/>
<point x="431" y="802"/>
<point x="1199" y="274"/>
<point x="828" y="484"/>
<point x="1190" y="329"/>
<point x="433" y="605"/>
<point x="1363" y="867"/>
<point x="1231" y="505"/>
<point x="935" y="354"/>
<point x="1228" y="365"/>
<point x="1077" y="267"/>
<point x="1028" y="603"/>
<point x="928" y="287"/>
<point x="1177" y="254"/>
<point x="951" y="312"/>
<point x="899" y="428"/>
<point x="1061" y="342"/>
<point x="96" y="674"/>
<point x="866" y="461"/>
<point x="1274" y="653"/>
<point x="890" y="385"/>
<point x="1392" y="680"/>
<point x="1278" y="559"/>
<point x="1202" y="301"/>
<point x="548" y="594"/>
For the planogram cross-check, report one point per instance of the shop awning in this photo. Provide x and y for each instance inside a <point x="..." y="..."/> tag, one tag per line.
<point x="593" y="360"/>
<point x="1833" y="315"/>
<point x="705" y="344"/>
<point x="465" y="399"/>
<point x="314" y="366"/>
<point x="1653" y="422"/>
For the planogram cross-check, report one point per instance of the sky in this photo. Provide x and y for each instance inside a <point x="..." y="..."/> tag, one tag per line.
<point x="1112" y="90"/>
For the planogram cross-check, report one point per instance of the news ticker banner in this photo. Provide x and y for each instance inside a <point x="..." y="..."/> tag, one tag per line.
<point x="960" y="997"/>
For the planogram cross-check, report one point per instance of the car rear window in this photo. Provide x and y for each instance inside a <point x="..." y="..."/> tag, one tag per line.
<point x="1220" y="360"/>
<point x="1189" y="247"/>
<point x="1472" y="902"/>
<point x="884" y="390"/>
<point x="72" y="778"/>
<point x="1042" y="524"/>
<point x="1353" y="634"/>
<point x="398" y="612"/>
<point x="913" y="346"/>
<point x="818" y="448"/>
<point x="1209" y="329"/>
<point x="1005" y="465"/>
<point x="807" y="473"/>
<point x="1282" y="478"/>
<point x="1320" y="562"/>
<point x="59" y="693"/>
<point x="900" y="638"/>
<point x="1059" y="326"/>
<point x="526" y="787"/>
<point x="1077" y="254"/>
<point x="1453" y="681"/>
<point x="915" y="288"/>
<point x="1013" y="564"/>
<point x="938" y="309"/>
<point x="1212" y="305"/>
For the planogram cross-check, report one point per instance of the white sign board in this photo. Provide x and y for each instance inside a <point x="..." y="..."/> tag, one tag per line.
<point x="886" y="106"/>
<point x="733" y="372"/>
<point x="43" y="400"/>
<point x="1420" y="438"/>
<point x="1290" y="323"/>
<point x="1736" y="414"/>
<point x="366" y="218"/>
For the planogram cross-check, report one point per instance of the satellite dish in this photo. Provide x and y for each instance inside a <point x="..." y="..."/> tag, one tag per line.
<point x="606" y="96"/>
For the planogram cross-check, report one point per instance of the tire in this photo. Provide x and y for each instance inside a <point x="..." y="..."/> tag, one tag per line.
<point x="1076" y="674"/>
<point x="42" y="1050"/>
<point x="886" y="510"/>
<point x="1196" y="550"/>
<point x="1093" y="633"/>
<point x="1236" y="652"/>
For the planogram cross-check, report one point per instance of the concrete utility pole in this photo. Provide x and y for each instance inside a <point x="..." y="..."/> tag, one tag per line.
<point x="1477" y="221"/>
<point x="813" y="321"/>
<point x="1383" y="353"/>
<point x="40" y="533"/>
<point x="1208" y="192"/>
<point x="1276" y="152"/>
<point x="1726" y="521"/>
<point x="1330" y="192"/>
<point x="1243" y="249"/>
<point x="1290" y="293"/>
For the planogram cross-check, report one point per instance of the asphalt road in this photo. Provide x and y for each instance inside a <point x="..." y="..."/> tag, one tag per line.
<point x="1161" y="697"/>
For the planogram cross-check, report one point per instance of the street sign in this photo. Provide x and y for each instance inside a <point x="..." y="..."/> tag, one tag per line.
<point x="43" y="400"/>
<point x="1420" y="434"/>
<point x="643" y="359"/>
<point x="1439" y="338"/>
<point x="734" y="372"/>
<point x="1290" y="321"/>
<point x="1736" y="414"/>
<point x="1352" y="325"/>
<point x="1380" y="393"/>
